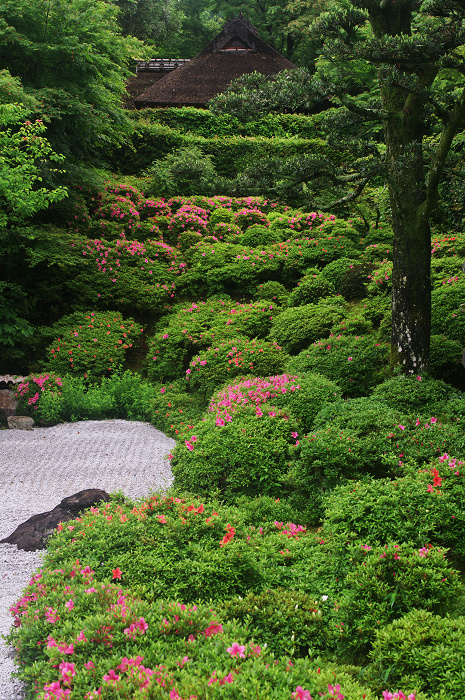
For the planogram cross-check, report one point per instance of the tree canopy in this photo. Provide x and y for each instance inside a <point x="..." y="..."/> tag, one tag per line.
<point x="70" y="56"/>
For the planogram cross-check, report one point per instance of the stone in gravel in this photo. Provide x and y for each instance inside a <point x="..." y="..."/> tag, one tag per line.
<point x="34" y="533"/>
<point x="20" y="422"/>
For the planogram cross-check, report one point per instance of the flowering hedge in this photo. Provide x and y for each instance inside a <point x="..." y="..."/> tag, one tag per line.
<point x="92" y="344"/>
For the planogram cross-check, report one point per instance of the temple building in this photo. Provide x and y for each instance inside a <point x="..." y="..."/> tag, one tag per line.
<point x="235" y="51"/>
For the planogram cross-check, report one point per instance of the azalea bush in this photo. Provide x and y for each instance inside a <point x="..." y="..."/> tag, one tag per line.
<point x="240" y="452"/>
<point x="40" y="396"/>
<point x="385" y="582"/>
<point x="420" y="651"/>
<point x="298" y="327"/>
<point x="92" y="344"/>
<point x="234" y="358"/>
<point x="197" y="326"/>
<point x="355" y="363"/>
<point x="424" y="506"/>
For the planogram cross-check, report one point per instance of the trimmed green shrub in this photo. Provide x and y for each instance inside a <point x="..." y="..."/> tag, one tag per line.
<point x="356" y="364"/>
<point x="246" y="454"/>
<point x="378" y="251"/>
<point x="91" y="344"/>
<point x="310" y="290"/>
<point x="187" y="171"/>
<point x="447" y="318"/>
<point x="258" y="235"/>
<point x="385" y="582"/>
<point x="445" y="361"/>
<point x="272" y="290"/>
<point x="420" y="652"/>
<point x="313" y="392"/>
<point x="297" y="327"/>
<point x="234" y="358"/>
<point x="380" y="279"/>
<point x="406" y="509"/>
<point x="354" y="282"/>
<point x="289" y="622"/>
<point x="190" y="329"/>
<point x="413" y="394"/>
<point x="334" y="271"/>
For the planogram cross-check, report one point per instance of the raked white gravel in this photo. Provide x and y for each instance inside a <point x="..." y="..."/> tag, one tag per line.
<point x="39" y="468"/>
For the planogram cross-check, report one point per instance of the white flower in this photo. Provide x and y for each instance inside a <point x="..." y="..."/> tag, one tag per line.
<point x="324" y="597"/>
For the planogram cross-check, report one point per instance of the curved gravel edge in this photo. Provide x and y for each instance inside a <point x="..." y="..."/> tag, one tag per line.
<point x="39" y="468"/>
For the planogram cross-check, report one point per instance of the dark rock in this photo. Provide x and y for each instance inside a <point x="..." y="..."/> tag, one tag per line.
<point x="34" y="533"/>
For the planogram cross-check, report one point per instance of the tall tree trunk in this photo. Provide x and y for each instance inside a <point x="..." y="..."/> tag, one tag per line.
<point x="411" y="284"/>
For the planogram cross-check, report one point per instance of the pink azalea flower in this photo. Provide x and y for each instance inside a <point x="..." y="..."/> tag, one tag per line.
<point x="212" y="629"/>
<point x="116" y="573"/>
<point x="89" y="665"/>
<point x="81" y="637"/>
<point x="301" y="694"/>
<point x="69" y="604"/>
<point x="236" y="650"/>
<point x="67" y="671"/>
<point x="111" y="676"/>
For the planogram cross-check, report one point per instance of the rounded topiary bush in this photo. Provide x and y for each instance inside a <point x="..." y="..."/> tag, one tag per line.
<point x="297" y="327"/>
<point x="445" y="361"/>
<point x="194" y="327"/>
<point x="310" y="290"/>
<point x="405" y="509"/>
<point x="385" y="582"/>
<point x="447" y="317"/>
<point x="313" y="392"/>
<point x="247" y="454"/>
<point x="234" y="358"/>
<point x="354" y="282"/>
<point x="259" y="235"/>
<point x="92" y="344"/>
<point x="272" y="290"/>
<point x="356" y="364"/>
<point x="420" y="652"/>
<point x="413" y="394"/>
<point x="335" y="270"/>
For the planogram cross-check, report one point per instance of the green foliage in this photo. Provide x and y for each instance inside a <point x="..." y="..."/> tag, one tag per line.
<point x="24" y="153"/>
<point x="254" y="95"/>
<point x="310" y="290"/>
<point x="356" y="364"/>
<point x="197" y="326"/>
<point x="92" y="344"/>
<point x="387" y="582"/>
<point x="230" y="154"/>
<point x="203" y="122"/>
<point x="335" y="270"/>
<point x="187" y="171"/>
<point x="70" y="56"/>
<point x="447" y="317"/>
<point x="272" y="290"/>
<point x="353" y="284"/>
<point x="245" y="455"/>
<point x="445" y="361"/>
<point x="279" y="617"/>
<point x="40" y="396"/>
<point x="297" y="327"/>
<point x="413" y="394"/>
<point x="376" y="511"/>
<point x="313" y="392"/>
<point x="420" y="651"/>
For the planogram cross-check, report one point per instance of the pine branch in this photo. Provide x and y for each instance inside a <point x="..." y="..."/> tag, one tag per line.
<point x="450" y="129"/>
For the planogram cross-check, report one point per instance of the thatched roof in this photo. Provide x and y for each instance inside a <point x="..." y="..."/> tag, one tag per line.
<point x="236" y="50"/>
